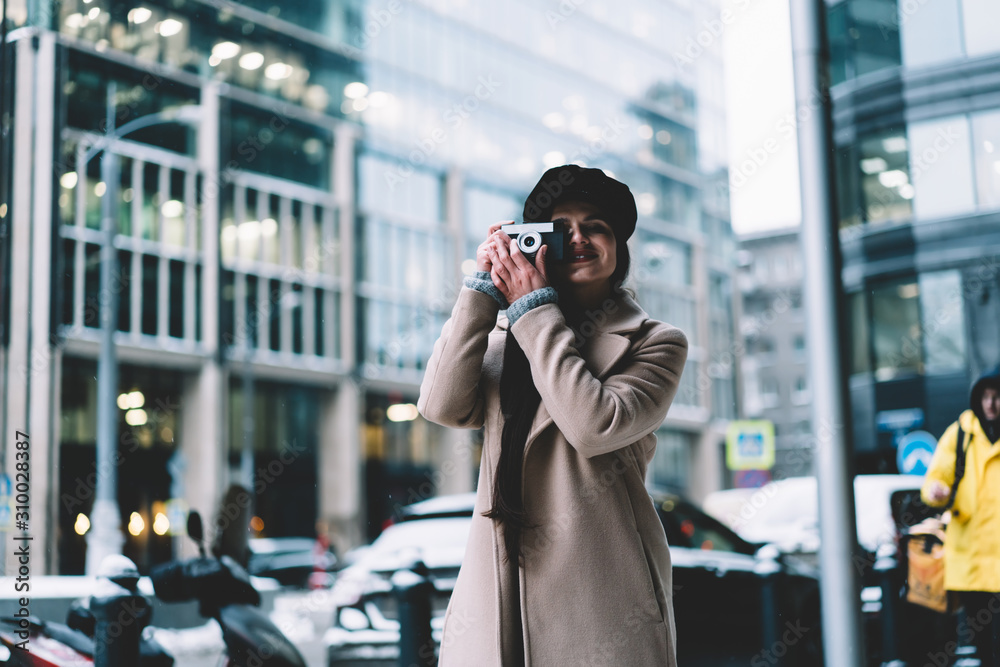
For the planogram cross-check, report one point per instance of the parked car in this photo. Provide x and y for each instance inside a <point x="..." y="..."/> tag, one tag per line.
<point x="296" y="562"/>
<point x="785" y="512"/>
<point x="717" y="594"/>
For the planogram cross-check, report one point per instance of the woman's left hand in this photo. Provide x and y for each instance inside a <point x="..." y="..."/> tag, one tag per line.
<point x="512" y="273"/>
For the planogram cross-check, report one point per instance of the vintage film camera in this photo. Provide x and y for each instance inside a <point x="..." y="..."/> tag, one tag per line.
<point x="531" y="236"/>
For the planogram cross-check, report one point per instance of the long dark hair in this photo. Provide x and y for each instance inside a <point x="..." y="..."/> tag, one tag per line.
<point x="519" y="401"/>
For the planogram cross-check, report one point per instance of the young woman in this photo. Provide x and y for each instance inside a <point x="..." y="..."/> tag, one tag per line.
<point x="567" y="562"/>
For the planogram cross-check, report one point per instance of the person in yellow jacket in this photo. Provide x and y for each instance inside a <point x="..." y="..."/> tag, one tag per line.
<point x="972" y="541"/>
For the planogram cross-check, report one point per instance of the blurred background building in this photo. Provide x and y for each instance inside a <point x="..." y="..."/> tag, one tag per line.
<point x="290" y="245"/>
<point x="774" y="370"/>
<point x="916" y="104"/>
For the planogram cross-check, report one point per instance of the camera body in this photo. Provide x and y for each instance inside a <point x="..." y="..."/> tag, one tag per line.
<point x="531" y="236"/>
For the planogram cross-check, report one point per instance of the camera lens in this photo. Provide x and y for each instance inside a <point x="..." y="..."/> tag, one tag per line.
<point x="529" y="243"/>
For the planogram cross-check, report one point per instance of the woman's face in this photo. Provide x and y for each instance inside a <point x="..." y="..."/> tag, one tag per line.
<point x="590" y="257"/>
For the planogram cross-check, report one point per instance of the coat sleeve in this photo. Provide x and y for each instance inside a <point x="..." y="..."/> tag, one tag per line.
<point x="942" y="468"/>
<point x="595" y="416"/>
<point x="450" y="393"/>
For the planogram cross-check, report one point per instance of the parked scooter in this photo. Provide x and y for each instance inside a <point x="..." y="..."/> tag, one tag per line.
<point x="224" y="592"/>
<point x="122" y="614"/>
<point x="118" y="611"/>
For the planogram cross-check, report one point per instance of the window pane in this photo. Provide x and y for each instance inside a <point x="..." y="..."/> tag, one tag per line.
<point x="943" y="317"/>
<point x="986" y="149"/>
<point x="896" y="330"/>
<point x="941" y="167"/>
<point x="981" y="18"/>
<point x="885" y="177"/>
<point x="662" y="260"/>
<point x="858" y="314"/>
<point x="410" y="193"/>
<point x="929" y="32"/>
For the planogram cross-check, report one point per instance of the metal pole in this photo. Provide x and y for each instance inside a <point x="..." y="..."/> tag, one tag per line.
<point x="105" y="536"/>
<point x="842" y="636"/>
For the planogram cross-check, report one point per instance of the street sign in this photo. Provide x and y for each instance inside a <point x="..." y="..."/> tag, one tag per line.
<point x="914" y="453"/>
<point x="750" y="445"/>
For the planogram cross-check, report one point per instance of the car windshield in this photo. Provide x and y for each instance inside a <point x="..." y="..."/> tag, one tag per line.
<point x="445" y="533"/>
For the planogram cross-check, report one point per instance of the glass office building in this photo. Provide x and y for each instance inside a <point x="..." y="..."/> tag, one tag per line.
<point x="917" y="130"/>
<point x="292" y="233"/>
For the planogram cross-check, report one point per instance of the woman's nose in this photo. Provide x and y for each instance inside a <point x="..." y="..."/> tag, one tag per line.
<point x="576" y="236"/>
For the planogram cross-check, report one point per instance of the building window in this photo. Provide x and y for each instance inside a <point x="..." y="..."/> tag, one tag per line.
<point x="896" y="330"/>
<point x="863" y="36"/>
<point x="980" y="19"/>
<point x="942" y="319"/>
<point x="769" y="396"/>
<point x="986" y="152"/>
<point x="886" y="190"/>
<point x="930" y="32"/>
<point x="941" y="167"/>
<point x="800" y="391"/>
<point x="860" y="333"/>
<point x="799" y="343"/>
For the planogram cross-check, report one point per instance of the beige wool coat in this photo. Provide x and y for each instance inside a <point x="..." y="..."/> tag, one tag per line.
<point x="595" y="585"/>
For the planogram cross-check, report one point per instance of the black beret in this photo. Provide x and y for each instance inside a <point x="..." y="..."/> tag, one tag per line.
<point x="574" y="183"/>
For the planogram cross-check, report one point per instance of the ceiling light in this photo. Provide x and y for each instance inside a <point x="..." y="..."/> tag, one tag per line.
<point x="893" y="178"/>
<point x="224" y="50"/>
<point x="169" y="27"/>
<point x="68" y="180"/>
<point x="136" y="524"/>
<point x="355" y="89"/>
<point x="139" y="15"/>
<point x="251" y="61"/>
<point x="401" y="412"/>
<point x="894" y="144"/>
<point x="278" y="71"/>
<point x="136" y="417"/>
<point x="172" y="208"/>
<point x="874" y="165"/>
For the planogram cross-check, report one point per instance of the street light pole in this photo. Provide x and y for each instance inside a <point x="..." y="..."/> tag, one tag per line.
<point x="105" y="536"/>
<point x="839" y="591"/>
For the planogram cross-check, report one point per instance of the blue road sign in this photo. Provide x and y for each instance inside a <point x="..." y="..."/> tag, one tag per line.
<point x="914" y="452"/>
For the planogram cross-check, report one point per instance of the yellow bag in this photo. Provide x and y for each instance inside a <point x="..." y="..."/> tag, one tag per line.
<point x="925" y="578"/>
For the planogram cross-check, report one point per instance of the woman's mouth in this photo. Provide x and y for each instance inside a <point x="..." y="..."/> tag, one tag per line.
<point x="582" y="257"/>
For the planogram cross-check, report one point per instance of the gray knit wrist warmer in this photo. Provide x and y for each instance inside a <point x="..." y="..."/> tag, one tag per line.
<point x="539" y="297"/>
<point x="482" y="282"/>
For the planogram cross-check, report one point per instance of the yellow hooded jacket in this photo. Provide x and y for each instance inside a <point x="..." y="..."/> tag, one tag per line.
<point x="972" y="542"/>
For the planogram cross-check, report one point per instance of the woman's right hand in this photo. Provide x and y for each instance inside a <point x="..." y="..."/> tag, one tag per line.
<point x="483" y="262"/>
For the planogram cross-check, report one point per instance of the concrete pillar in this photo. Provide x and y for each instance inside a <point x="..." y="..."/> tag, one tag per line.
<point x="41" y="416"/>
<point x="201" y="445"/>
<point x="340" y="466"/>
<point x="342" y="179"/>
<point x="203" y="439"/>
<point x="17" y="381"/>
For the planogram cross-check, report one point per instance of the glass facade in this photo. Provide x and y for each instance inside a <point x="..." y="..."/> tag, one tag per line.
<point x="315" y="186"/>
